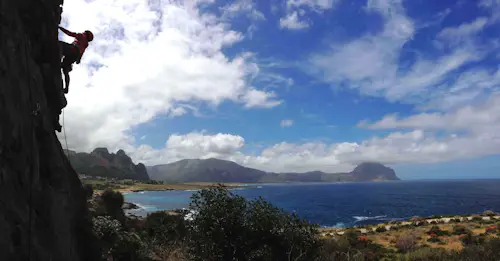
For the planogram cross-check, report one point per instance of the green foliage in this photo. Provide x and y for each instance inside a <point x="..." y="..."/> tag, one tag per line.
<point x="130" y="247"/>
<point x="89" y="191"/>
<point x="164" y="228"/>
<point x="381" y="229"/>
<point x="113" y="202"/>
<point x="426" y="254"/>
<point x="228" y="227"/>
<point x="477" y="218"/>
<point x="437" y="231"/>
<point x="460" y="230"/>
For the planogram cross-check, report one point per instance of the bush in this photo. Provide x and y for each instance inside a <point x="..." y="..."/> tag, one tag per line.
<point x="227" y="227"/>
<point x="426" y="254"/>
<point x="381" y="229"/>
<point x="130" y="247"/>
<point x="436" y="230"/>
<point x="107" y="230"/>
<point x="406" y="242"/>
<point x="113" y="202"/>
<point x="477" y="218"/>
<point x="433" y="238"/>
<point x="460" y="230"/>
<point x="89" y="191"/>
<point x="164" y="228"/>
<point x="489" y="213"/>
<point x="491" y="229"/>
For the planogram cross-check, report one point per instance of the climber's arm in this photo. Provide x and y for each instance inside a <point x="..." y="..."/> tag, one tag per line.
<point x="67" y="32"/>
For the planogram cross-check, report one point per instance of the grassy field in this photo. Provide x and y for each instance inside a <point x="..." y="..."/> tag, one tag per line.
<point x="448" y="240"/>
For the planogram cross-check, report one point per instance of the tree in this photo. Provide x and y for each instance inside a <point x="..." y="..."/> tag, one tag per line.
<point x="228" y="227"/>
<point x="113" y="202"/>
<point x="164" y="228"/>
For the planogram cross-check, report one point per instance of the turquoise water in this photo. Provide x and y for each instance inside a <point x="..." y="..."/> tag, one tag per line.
<point x="347" y="204"/>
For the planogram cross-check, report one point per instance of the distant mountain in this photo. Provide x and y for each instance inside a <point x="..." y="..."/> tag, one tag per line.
<point x="216" y="170"/>
<point x="104" y="164"/>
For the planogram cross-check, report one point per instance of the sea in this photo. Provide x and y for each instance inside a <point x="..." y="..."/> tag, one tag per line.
<point x="351" y="204"/>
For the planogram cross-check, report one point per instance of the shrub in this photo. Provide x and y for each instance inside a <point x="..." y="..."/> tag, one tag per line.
<point x="416" y="219"/>
<point x="489" y="213"/>
<point x="406" y="242"/>
<point x="113" y="202"/>
<point x="460" y="230"/>
<point x="89" y="191"/>
<point x="476" y="218"/>
<point x="381" y="229"/>
<point x="491" y="229"/>
<point x="426" y="254"/>
<point x="436" y="230"/>
<point x="130" y="247"/>
<point x="107" y="230"/>
<point x="433" y="238"/>
<point x="228" y="227"/>
<point x="164" y="228"/>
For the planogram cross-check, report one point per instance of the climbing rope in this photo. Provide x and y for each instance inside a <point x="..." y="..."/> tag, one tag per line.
<point x="65" y="139"/>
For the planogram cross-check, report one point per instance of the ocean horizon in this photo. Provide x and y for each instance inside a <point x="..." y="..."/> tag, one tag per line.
<point x="349" y="204"/>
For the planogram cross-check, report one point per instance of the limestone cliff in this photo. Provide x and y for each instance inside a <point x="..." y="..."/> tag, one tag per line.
<point x="104" y="164"/>
<point x="43" y="215"/>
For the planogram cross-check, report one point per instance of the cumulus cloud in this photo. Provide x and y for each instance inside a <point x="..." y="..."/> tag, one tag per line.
<point x="151" y="58"/>
<point x="415" y="146"/>
<point x="165" y="58"/>
<point x="286" y="123"/>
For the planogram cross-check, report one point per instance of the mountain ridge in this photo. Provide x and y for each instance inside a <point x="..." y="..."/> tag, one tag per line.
<point x="217" y="170"/>
<point x="100" y="162"/>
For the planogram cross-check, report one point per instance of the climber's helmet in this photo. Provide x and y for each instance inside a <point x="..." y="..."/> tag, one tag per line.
<point x="90" y="36"/>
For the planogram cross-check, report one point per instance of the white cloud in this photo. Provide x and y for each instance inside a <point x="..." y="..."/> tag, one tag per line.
<point x="414" y="146"/>
<point x="296" y="10"/>
<point x="247" y="7"/>
<point x="478" y="120"/>
<point x="291" y="21"/>
<point x="371" y="63"/>
<point x="464" y="30"/>
<point x="150" y="58"/>
<point x="316" y="5"/>
<point x="286" y="123"/>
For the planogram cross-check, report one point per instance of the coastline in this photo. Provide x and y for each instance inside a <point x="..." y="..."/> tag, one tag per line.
<point x="139" y="187"/>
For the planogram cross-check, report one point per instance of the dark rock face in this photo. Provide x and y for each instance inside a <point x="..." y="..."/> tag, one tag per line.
<point x="373" y="171"/>
<point x="104" y="164"/>
<point x="43" y="212"/>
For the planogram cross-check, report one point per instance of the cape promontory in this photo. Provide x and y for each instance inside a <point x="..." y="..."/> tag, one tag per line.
<point x="216" y="170"/>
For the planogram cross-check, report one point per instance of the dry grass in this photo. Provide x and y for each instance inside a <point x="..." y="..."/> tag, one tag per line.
<point x="389" y="238"/>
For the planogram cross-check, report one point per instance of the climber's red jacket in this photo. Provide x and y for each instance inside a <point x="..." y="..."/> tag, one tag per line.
<point x="80" y="40"/>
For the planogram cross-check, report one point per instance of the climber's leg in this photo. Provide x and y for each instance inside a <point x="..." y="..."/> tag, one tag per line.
<point x="70" y="53"/>
<point x="66" y="80"/>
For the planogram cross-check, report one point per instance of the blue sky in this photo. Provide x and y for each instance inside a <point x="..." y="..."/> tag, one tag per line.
<point x="292" y="85"/>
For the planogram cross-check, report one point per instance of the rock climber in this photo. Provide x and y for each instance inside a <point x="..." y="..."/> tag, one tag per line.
<point x="73" y="52"/>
